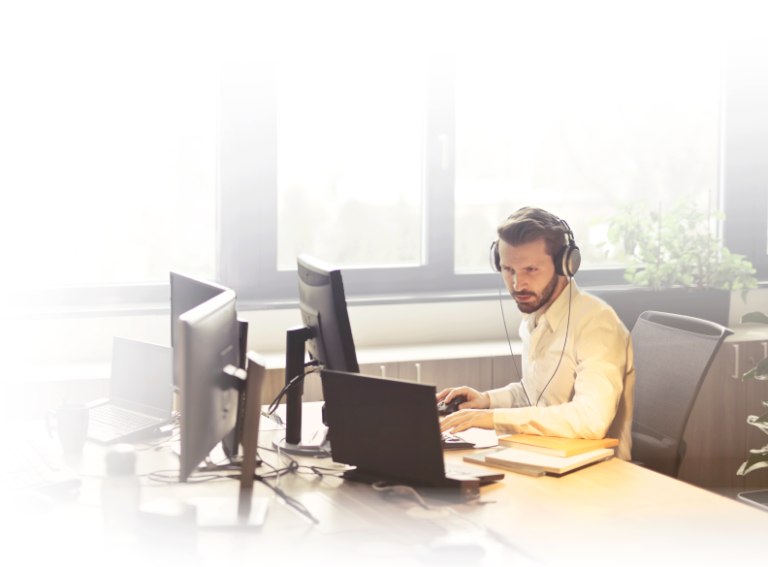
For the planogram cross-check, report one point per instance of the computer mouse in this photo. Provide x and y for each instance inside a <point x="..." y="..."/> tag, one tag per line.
<point x="453" y="406"/>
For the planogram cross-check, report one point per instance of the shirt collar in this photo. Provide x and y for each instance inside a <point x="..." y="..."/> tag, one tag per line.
<point x="555" y="312"/>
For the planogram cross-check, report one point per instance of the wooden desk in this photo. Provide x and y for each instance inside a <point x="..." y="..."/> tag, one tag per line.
<point x="607" y="514"/>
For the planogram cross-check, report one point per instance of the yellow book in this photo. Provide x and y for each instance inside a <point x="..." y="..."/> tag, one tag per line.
<point x="556" y="446"/>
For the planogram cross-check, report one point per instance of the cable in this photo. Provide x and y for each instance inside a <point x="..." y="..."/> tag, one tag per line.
<point x="174" y="436"/>
<point x="162" y="476"/>
<point x="504" y="319"/>
<point x="401" y="490"/>
<point x="562" y="353"/>
<point x="565" y="340"/>
<point x="292" y="502"/>
<point x="410" y="491"/>
<point x="295" y="380"/>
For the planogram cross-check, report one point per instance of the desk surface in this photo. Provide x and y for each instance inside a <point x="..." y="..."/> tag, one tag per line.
<point x="605" y="514"/>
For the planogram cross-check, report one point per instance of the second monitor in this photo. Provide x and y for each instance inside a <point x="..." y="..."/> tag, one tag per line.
<point x="326" y="334"/>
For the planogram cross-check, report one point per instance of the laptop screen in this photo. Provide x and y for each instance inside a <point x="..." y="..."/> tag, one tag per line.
<point x="142" y="377"/>
<point x="384" y="427"/>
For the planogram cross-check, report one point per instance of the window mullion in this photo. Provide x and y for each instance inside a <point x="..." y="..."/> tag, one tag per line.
<point x="439" y="168"/>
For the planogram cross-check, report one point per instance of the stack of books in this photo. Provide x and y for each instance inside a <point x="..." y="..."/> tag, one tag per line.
<point x="536" y="455"/>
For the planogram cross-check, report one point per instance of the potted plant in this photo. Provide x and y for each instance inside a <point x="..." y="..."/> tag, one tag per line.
<point x="676" y="263"/>
<point x="758" y="458"/>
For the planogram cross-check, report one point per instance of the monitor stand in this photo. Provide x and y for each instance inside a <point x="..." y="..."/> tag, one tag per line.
<point x="246" y="511"/>
<point x="295" y="353"/>
<point x="228" y="512"/>
<point x="323" y="450"/>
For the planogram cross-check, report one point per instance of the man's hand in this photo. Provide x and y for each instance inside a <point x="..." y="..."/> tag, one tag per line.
<point x="475" y="399"/>
<point x="465" y="419"/>
<point x="472" y="413"/>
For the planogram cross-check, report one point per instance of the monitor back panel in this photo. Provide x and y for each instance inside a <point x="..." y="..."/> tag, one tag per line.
<point x="384" y="427"/>
<point x="187" y="293"/>
<point x="208" y="341"/>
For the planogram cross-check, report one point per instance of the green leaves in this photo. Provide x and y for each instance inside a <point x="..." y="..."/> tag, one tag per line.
<point x="759" y="372"/>
<point x="759" y="422"/>
<point x="758" y="459"/>
<point x="676" y="247"/>
<point x="755" y="317"/>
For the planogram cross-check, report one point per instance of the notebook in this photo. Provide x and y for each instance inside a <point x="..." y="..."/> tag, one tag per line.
<point x="140" y="393"/>
<point x="389" y="429"/>
<point x="556" y="446"/>
<point x="535" y="464"/>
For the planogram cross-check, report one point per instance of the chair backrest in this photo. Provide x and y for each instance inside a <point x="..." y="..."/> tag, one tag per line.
<point x="672" y="355"/>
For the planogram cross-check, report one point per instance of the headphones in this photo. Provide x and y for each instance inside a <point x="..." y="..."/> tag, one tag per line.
<point x="567" y="260"/>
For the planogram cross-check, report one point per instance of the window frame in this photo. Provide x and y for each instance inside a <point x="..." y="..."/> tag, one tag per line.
<point x="745" y="169"/>
<point x="248" y="190"/>
<point x="246" y="248"/>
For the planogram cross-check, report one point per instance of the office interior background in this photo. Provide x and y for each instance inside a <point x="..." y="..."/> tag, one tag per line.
<point x="389" y="138"/>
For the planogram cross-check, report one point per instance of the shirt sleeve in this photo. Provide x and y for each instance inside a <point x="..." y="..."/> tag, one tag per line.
<point x="510" y="396"/>
<point x="600" y="351"/>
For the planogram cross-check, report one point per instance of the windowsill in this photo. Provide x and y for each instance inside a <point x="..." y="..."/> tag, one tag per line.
<point x="139" y="309"/>
<point x="276" y="360"/>
<point x="419" y="352"/>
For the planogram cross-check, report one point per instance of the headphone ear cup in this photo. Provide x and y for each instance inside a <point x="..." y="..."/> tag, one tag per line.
<point x="494" y="257"/>
<point x="560" y="260"/>
<point x="573" y="260"/>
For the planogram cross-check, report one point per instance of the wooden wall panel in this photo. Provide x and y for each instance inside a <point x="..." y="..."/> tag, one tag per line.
<point x="715" y="432"/>
<point x="374" y="369"/>
<point x="313" y="388"/>
<point x="757" y="391"/>
<point x="504" y="371"/>
<point x="473" y="372"/>
<point x="274" y="380"/>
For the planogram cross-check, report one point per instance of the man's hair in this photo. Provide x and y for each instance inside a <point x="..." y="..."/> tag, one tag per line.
<point x="528" y="224"/>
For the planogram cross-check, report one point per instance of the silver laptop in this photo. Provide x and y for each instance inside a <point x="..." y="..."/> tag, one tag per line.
<point x="140" y="393"/>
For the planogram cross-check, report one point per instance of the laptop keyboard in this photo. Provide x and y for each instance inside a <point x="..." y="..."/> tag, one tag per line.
<point x="124" y="420"/>
<point x="33" y="463"/>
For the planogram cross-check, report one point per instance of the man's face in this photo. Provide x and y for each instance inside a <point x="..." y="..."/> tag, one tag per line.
<point x="529" y="274"/>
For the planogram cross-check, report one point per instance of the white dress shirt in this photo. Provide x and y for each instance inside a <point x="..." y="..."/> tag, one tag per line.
<point x="590" y="393"/>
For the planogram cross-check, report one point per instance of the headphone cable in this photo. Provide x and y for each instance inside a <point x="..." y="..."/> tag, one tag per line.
<point x="562" y="352"/>
<point x="514" y="362"/>
<point x="565" y="340"/>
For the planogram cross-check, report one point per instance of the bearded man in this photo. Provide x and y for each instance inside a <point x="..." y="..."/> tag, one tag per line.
<point x="578" y="374"/>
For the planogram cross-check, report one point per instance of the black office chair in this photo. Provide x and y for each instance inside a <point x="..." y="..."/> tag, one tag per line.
<point x="673" y="354"/>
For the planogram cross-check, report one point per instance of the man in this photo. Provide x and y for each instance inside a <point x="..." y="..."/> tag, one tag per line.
<point x="577" y="371"/>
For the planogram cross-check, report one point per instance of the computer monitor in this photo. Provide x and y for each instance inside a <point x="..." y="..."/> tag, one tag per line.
<point x="324" y="311"/>
<point x="188" y="292"/>
<point x="207" y="342"/>
<point x="326" y="334"/>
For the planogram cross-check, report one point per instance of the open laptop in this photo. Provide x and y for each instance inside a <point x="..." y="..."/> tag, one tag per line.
<point x="140" y="393"/>
<point x="389" y="429"/>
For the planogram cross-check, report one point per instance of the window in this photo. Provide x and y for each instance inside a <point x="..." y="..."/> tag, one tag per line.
<point x="389" y="138"/>
<point x="350" y="141"/>
<point x="561" y="111"/>
<point x="109" y="147"/>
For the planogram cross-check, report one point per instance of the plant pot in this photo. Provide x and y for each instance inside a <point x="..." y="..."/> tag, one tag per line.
<point x="630" y="302"/>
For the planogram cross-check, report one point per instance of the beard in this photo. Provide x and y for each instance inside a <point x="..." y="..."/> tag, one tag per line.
<point x="539" y="299"/>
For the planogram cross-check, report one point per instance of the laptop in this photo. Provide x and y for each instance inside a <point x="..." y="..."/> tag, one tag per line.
<point x="389" y="429"/>
<point x="140" y="393"/>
